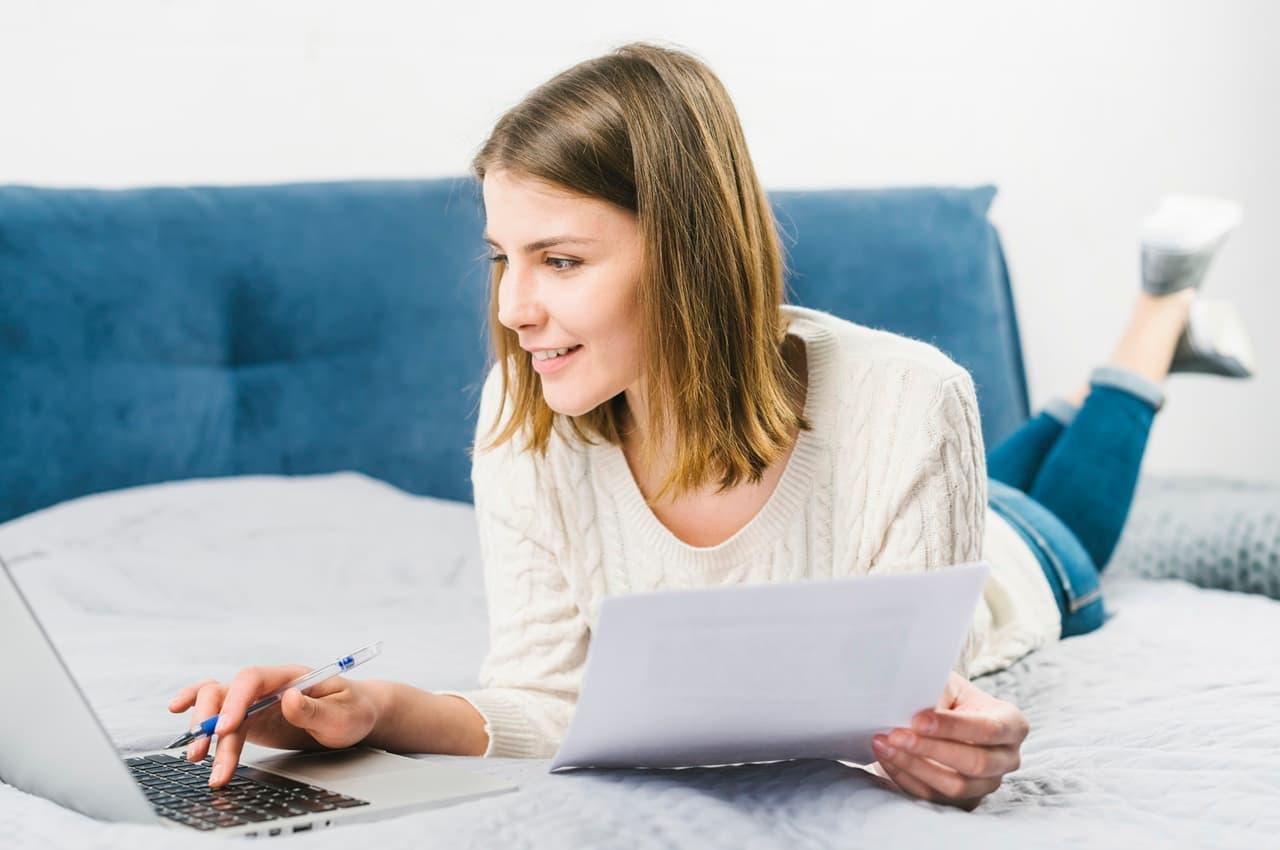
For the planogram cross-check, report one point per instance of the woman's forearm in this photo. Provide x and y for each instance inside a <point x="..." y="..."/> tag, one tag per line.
<point x="411" y="720"/>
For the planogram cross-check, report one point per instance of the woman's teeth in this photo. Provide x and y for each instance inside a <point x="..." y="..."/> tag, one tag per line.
<point x="552" y="353"/>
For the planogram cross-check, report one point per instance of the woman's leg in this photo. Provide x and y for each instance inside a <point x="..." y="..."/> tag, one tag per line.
<point x="1016" y="459"/>
<point x="1145" y="349"/>
<point x="1088" y="476"/>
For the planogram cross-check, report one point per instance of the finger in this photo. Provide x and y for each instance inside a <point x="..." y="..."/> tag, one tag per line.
<point x="986" y="727"/>
<point x="305" y="712"/>
<point x="951" y="785"/>
<point x="951" y="692"/>
<point x="226" y="758"/>
<point x="328" y="721"/>
<point x="327" y="688"/>
<point x="208" y="700"/>
<point x="907" y="782"/>
<point x="966" y="759"/>
<point x="248" y="686"/>
<point x="182" y="701"/>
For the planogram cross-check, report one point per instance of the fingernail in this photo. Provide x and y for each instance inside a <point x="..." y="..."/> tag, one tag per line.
<point x="902" y="739"/>
<point x="925" y="723"/>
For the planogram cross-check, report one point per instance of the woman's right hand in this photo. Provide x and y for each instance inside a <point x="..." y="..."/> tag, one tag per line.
<point x="338" y="713"/>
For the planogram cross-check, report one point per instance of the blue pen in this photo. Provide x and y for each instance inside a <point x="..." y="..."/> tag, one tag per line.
<point x="315" y="677"/>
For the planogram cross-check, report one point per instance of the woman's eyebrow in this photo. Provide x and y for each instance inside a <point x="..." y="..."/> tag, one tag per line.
<point x="546" y="243"/>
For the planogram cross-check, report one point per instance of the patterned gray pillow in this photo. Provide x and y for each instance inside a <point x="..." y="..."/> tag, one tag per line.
<point x="1213" y="532"/>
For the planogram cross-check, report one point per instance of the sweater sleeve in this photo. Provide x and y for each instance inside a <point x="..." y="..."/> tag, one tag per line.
<point x="537" y="634"/>
<point x="937" y="494"/>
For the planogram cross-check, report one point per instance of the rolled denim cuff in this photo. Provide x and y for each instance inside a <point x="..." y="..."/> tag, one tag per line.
<point x="1062" y="410"/>
<point x="1131" y="382"/>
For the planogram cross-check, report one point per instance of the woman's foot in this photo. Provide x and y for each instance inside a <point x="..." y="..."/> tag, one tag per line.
<point x="1180" y="238"/>
<point x="1214" y="342"/>
<point x="1151" y="336"/>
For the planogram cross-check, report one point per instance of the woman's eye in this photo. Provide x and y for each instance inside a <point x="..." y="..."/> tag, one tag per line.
<point x="558" y="263"/>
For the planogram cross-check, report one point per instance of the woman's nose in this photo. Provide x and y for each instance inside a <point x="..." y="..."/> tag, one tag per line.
<point x="518" y="303"/>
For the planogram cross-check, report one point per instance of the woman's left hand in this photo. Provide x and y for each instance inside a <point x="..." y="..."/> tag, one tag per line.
<point x="959" y="752"/>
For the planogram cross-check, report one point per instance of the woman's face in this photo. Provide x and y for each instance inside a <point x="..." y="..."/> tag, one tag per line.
<point x="571" y="276"/>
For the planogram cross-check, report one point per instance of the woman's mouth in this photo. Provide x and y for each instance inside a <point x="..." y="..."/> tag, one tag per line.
<point x="553" y="360"/>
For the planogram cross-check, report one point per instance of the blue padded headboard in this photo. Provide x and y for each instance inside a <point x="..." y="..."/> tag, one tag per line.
<point x="157" y="334"/>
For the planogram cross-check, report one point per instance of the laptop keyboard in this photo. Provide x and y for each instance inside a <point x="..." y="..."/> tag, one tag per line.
<point x="179" y="790"/>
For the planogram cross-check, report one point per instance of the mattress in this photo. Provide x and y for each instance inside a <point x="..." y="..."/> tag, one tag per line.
<point x="1161" y="727"/>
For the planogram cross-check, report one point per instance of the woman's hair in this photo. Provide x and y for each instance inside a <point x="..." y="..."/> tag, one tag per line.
<point x="653" y="131"/>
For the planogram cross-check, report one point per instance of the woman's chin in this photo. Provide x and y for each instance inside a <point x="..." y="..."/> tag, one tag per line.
<point x="570" y="404"/>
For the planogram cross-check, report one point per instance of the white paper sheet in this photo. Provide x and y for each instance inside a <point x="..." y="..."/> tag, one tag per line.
<point x="766" y="672"/>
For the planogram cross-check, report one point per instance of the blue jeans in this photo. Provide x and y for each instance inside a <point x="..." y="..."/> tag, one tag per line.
<point x="1065" y="481"/>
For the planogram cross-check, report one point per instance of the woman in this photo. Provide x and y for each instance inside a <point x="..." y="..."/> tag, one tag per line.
<point x="658" y="418"/>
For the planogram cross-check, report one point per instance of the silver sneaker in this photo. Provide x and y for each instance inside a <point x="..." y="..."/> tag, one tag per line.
<point x="1180" y="238"/>
<point x="1214" y="342"/>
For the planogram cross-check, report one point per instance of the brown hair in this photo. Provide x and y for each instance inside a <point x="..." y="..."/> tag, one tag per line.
<point x="653" y="131"/>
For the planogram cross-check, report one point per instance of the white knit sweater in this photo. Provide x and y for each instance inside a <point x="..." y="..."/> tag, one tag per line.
<point x="892" y="478"/>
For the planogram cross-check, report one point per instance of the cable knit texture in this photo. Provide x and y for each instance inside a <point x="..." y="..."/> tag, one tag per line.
<point x="892" y="478"/>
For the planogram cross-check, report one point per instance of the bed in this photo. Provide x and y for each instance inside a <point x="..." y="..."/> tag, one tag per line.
<point x="221" y="447"/>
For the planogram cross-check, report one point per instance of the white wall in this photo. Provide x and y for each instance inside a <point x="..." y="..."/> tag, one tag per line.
<point x="1083" y="113"/>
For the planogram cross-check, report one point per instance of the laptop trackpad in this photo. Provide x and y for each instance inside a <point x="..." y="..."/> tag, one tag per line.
<point x="327" y="766"/>
<point x="373" y="774"/>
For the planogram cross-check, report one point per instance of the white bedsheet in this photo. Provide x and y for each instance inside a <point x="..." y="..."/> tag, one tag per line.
<point x="1160" y="728"/>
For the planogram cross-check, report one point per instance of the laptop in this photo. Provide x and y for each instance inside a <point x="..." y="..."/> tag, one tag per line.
<point x="53" y="745"/>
